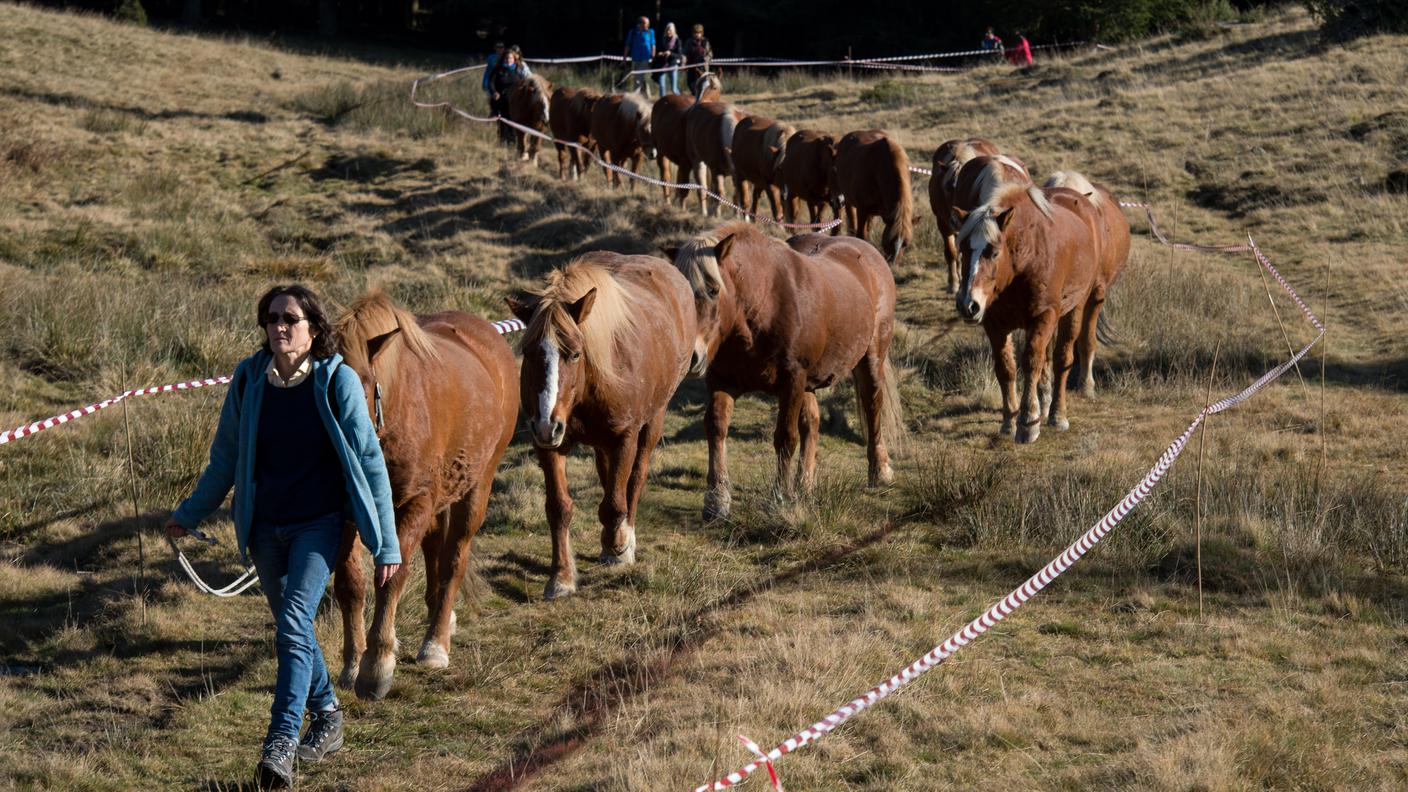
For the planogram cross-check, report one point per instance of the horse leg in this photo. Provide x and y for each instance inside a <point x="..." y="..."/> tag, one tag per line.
<point x="611" y="178"/>
<point x="863" y="224"/>
<point x="1004" y="362"/>
<point x="522" y="145"/>
<point x="635" y="168"/>
<point x="1062" y="358"/>
<point x="869" y="379"/>
<point x="640" y="471"/>
<point x="1085" y="342"/>
<point x="664" y="176"/>
<point x="379" y="661"/>
<point x="562" y="578"/>
<point x="350" y="588"/>
<point x="717" y="498"/>
<point x="618" y="536"/>
<point x="740" y="195"/>
<point x="431" y="549"/>
<point x="701" y="178"/>
<point x="790" y="395"/>
<point x="809" y="428"/>
<point x="464" y="520"/>
<point x="561" y="161"/>
<point x="775" y="201"/>
<point x="1033" y="359"/>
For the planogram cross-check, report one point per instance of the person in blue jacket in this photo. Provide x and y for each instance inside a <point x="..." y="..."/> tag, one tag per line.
<point x="296" y="443"/>
<point x="640" y="48"/>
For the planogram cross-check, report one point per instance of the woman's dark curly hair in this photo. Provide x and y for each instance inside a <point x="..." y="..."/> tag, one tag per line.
<point x="324" y="337"/>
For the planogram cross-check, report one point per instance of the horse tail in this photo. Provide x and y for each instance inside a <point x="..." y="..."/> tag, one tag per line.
<point x="899" y="223"/>
<point x="1105" y="332"/>
<point x="727" y="125"/>
<point x="891" y="418"/>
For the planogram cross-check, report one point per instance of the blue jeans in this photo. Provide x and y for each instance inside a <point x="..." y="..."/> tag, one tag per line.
<point x="294" y="564"/>
<point x="674" y="76"/>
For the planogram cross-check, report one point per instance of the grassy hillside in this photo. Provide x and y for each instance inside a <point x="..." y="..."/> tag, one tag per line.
<point x="152" y="186"/>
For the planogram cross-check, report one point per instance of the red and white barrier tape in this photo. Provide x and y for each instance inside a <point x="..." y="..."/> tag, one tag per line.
<point x="1047" y="574"/>
<point x="819" y="227"/>
<point x="49" y="423"/>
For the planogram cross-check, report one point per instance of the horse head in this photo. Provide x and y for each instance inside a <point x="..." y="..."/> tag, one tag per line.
<point x="553" y="374"/>
<point x="372" y="336"/>
<point x="705" y="263"/>
<point x="985" y="249"/>
<point x="708" y="88"/>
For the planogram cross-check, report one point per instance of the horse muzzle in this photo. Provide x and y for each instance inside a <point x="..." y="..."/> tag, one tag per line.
<point x="548" y="434"/>
<point x="699" y="360"/>
<point x="970" y="309"/>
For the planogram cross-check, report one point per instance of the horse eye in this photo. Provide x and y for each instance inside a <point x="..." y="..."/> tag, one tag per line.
<point x="573" y="357"/>
<point x="713" y="292"/>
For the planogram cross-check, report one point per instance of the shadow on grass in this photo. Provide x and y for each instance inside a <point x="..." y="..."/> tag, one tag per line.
<point x="87" y="103"/>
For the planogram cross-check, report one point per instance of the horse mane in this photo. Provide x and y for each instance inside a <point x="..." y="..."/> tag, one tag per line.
<point x="728" y="122"/>
<point x="632" y="107"/>
<point x="982" y="222"/>
<point x="962" y="152"/>
<point x="992" y="180"/>
<point x="611" y="322"/>
<point x="702" y="84"/>
<point x="777" y="134"/>
<point x="372" y="315"/>
<point x="1076" y="181"/>
<point x="696" y="257"/>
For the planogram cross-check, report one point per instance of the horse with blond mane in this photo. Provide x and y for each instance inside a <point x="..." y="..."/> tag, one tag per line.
<point x="949" y="158"/>
<point x="608" y="340"/>
<point x="621" y="128"/>
<point x="759" y="149"/>
<point x="571" y="120"/>
<point x="1114" y="243"/>
<point x="1030" y="264"/>
<point x="789" y="319"/>
<point x="528" y="104"/>
<point x="871" y="178"/>
<point x="443" y="392"/>
<point x="667" y="123"/>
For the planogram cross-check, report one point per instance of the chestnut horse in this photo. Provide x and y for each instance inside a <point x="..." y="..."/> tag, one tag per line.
<point x="667" y="126"/>
<point x="609" y="339"/>
<point x="788" y="319"/>
<point x="1114" y="256"/>
<point x="621" y="127"/>
<point x="806" y="174"/>
<point x="871" y="178"/>
<point x="978" y="180"/>
<point x="443" y="390"/>
<point x="708" y="136"/>
<point x="1031" y="259"/>
<point x="571" y="119"/>
<point x="950" y="156"/>
<point x="528" y="105"/>
<point x="759" y="147"/>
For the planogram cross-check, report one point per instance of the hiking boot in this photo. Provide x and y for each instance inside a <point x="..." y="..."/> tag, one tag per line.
<point x="324" y="735"/>
<point x="275" y="770"/>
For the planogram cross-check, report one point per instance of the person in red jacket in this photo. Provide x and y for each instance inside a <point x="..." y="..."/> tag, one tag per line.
<point x="1021" y="53"/>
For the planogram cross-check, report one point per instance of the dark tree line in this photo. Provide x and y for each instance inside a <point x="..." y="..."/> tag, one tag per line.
<point x="783" y="28"/>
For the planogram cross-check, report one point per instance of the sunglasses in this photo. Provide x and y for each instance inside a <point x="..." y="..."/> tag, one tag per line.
<point x="281" y="318"/>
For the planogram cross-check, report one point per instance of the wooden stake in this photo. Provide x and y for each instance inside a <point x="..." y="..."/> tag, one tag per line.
<point x="1324" y="352"/>
<point x="138" y="591"/>
<point x="1198" y="501"/>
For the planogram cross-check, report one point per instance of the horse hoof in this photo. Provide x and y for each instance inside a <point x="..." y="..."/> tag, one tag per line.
<point x="1060" y="424"/>
<point x="348" y="679"/>
<point x="1028" y="434"/>
<point x="717" y="505"/>
<point x="374" y="681"/>
<point x="1009" y="428"/>
<point x="884" y="478"/>
<point x="627" y="554"/>
<point x="557" y="588"/>
<point x="433" y="655"/>
<point x="1088" y="390"/>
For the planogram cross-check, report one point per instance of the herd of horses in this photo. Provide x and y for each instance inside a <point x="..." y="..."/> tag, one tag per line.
<point x="609" y="337"/>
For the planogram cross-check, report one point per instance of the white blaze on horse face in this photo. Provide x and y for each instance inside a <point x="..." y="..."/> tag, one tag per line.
<point x="547" y="400"/>
<point x="972" y="291"/>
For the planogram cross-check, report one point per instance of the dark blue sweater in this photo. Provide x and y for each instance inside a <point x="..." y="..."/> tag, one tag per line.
<point x="297" y="474"/>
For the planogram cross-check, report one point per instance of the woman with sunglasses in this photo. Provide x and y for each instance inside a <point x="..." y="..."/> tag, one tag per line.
<point x="296" y="443"/>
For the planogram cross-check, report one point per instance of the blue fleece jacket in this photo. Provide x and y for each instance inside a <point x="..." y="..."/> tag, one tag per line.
<point x="342" y="404"/>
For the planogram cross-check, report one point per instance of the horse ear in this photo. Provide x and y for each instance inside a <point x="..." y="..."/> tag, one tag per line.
<point x="1003" y="218"/>
<point x="377" y="343"/>
<point x="671" y="252"/>
<point x="583" y="306"/>
<point x="523" y="309"/>
<point x="722" y="249"/>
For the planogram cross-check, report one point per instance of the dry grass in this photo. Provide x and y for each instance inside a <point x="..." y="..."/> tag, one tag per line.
<point x="151" y="186"/>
